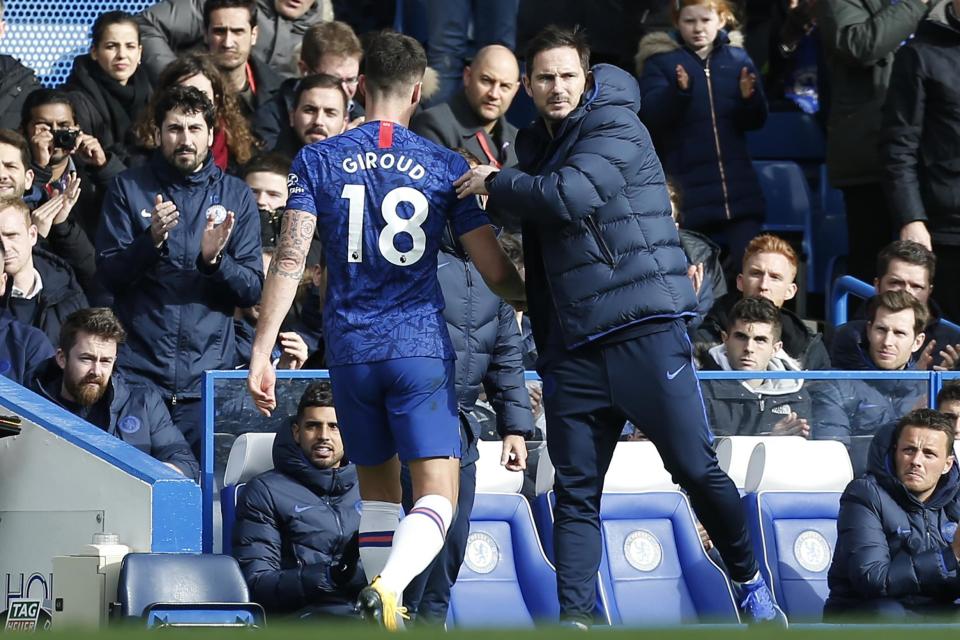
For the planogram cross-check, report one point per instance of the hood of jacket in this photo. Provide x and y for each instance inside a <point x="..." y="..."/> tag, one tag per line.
<point x="59" y="281"/>
<point x="290" y="460"/>
<point x="779" y="362"/>
<point x="612" y="87"/>
<point x="667" y="41"/>
<point x="880" y="465"/>
<point x="939" y="16"/>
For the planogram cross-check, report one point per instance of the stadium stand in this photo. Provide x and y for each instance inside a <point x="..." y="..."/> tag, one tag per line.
<point x="251" y="455"/>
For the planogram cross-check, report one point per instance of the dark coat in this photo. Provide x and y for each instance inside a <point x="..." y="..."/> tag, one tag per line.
<point x="845" y="408"/>
<point x="177" y="312"/>
<point x="266" y="83"/>
<point x="601" y="250"/>
<point x="271" y="122"/>
<point x="127" y="409"/>
<point x="800" y="343"/>
<point x="891" y="545"/>
<point x="296" y="534"/>
<point x="921" y="130"/>
<point x="700" y="249"/>
<point x="16" y="83"/>
<point x="485" y="335"/>
<point x="22" y="349"/>
<point x="700" y="133"/>
<point x="60" y="296"/>
<point x="859" y="39"/>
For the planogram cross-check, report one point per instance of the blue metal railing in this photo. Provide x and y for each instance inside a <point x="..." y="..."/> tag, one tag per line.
<point x="848" y="286"/>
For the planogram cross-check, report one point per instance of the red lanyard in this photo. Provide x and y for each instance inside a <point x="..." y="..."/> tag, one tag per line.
<point x="250" y="81"/>
<point x="482" y="139"/>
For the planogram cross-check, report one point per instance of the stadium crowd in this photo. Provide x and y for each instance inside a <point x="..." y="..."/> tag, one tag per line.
<point x="141" y="206"/>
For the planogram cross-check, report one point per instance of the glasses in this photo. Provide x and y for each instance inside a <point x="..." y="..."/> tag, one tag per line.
<point x="352" y="80"/>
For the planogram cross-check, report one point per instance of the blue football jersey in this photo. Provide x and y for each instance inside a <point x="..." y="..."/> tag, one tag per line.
<point x="382" y="196"/>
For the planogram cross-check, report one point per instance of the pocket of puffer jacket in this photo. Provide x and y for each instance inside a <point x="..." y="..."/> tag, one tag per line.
<point x="594" y="230"/>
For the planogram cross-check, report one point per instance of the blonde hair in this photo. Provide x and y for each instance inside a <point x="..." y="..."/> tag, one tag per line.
<point x="722" y="7"/>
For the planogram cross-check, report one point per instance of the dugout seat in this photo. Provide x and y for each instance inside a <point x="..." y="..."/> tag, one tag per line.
<point x="185" y="590"/>
<point x="733" y="454"/>
<point x="791" y="506"/>
<point x="251" y="455"/>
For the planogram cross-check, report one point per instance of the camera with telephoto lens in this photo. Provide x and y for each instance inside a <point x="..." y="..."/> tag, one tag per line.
<point x="65" y="138"/>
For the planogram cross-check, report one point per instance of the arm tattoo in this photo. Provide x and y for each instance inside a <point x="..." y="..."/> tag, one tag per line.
<point x="296" y="232"/>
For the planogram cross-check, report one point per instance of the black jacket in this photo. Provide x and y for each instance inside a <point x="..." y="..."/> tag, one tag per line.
<point x="844" y="408"/>
<point x="800" y="343"/>
<point x="23" y="349"/>
<point x="889" y="544"/>
<point x="296" y="534"/>
<point x="271" y="122"/>
<point x="700" y="249"/>
<point x="135" y="414"/>
<point x="16" y="83"/>
<point x="921" y="129"/>
<point x="60" y="296"/>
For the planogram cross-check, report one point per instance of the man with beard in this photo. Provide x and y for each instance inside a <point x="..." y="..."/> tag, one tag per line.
<point x="82" y="379"/>
<point x="179" y="248"/>
<point x="320" y="112"/>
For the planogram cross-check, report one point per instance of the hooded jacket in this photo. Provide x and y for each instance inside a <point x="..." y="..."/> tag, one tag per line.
<point x="700" y="249"/>
<point x="178" y="313"/>
<point x="485" y="335"/>
<point x="891" y="545"/>
<point x="135" y="414"/>
<point x="22" y="349"/>
<point x="921" y="128"/>
<point x="737" y="409"/>
<point x="844" y="408"/>
<point x="601" y="250"/>
<point x="700" y="133"/>
<point x="16" y="83"/>
<point x="60" y="296"/>
<point x="296" y="534"/>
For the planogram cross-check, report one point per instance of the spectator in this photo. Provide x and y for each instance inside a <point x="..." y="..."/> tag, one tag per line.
<point x="44" y="290"/>
<point x="172" y="27"/>
<point x="919" y="140"/>
<point x="330" y="48"/>
<point x="485" y="336"/>
<point x="779" y="407"/>
<point x="109" y="88"/>
<point x="266" y="175"/>
<point x="230" y="28"/>
<point x="233" y="141"/>
<point x="82" y="379"/>
<point x="948" y="402"/>
<point x="792" y="77"/>
<point x="699" y="87"/>
<point x="319" y="111"/>
<point x="769" y="271"/>
<point x="896" y="554"/>
<point x="845" y="407"/>
<point x="296" y="531"/>
<point x="16" y="83"/>
<point x="448" y="44"/>
<point x="179" y="248"/>
<point x="903" y="265"/>
<point x="22" y="348"/>
<point x="859" y="39"/>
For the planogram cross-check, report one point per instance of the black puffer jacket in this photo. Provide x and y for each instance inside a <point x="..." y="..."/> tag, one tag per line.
<point x="891" y="545"/>
<point x="296" y="534"/>
<point x="16" y="83"/>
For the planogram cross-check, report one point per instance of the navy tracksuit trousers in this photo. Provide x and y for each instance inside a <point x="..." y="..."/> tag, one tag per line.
<point x="588" y="395"/>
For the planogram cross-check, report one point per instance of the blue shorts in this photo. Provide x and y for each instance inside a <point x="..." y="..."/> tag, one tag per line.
<point x="406" y="406"/>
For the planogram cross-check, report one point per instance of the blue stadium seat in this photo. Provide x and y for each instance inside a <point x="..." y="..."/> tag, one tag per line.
<point x="182" y="589"/>
<point x="789" y="205"/>
<point x="251" y="455"/>
<point x="788" y="136"/>
<point x="505" y="580"/>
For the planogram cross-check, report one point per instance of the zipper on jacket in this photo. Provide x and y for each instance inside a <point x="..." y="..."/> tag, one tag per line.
<point x="598" y="238"/>
<point x="716" y="139"/>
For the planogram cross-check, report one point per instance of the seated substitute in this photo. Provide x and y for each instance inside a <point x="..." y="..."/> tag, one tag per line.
<point x="755" y="407"/>
<point x="897" y="546"/>
<point x="296" y="531"/>
<point x="22" y="347"/>
<point x="82" y="379"/>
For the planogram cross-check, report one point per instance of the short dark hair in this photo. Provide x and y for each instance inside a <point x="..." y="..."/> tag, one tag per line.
<point x="268" y="163"/>
<point x="17" y="141"/>
<point x="512" y="245"/>
<point x="949" y="392"/>
<point x="212" y="5"/>
<point x="333" y="38"/>
<point x="189" y="100"/>
<point x="320" y="81"/>
<point x="469" y="156"/>
<point x="899" y="301"/>
<point x="926" y="419"/>
<point x="907" y="251"/>
<point x="318" y="394"/>
<point x="96" y="321"/>
<point x="108" y="19"/>
<point x="393" y="61"/>
<point x="554" y="37"/>
<point x="42" y="97"/>
<point x="756" y="310"/>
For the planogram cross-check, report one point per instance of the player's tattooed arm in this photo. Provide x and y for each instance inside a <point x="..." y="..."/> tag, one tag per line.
<point x="296" y="233"/>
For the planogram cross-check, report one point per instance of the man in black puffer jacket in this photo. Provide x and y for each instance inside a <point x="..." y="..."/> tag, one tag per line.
<point x="609" y="298"/>
<point x="897" y="546"/>
<point x="296" y="531"/>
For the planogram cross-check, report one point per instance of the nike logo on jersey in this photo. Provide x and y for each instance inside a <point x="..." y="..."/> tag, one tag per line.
<point x="145" y="214"/>
<point x="442" y="265"/>
<point x="671" y="376"/>
<point x="298" y="509"/>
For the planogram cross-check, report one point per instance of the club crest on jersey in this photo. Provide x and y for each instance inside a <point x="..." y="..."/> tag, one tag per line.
<point x="386" y="161"/>
<point x="293" y="184"/>
<point x="216" y="212"/>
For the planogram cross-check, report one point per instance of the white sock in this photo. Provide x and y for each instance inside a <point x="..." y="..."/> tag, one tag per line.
<point x="378" y="521"/>
<point x="418" y="540"/>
